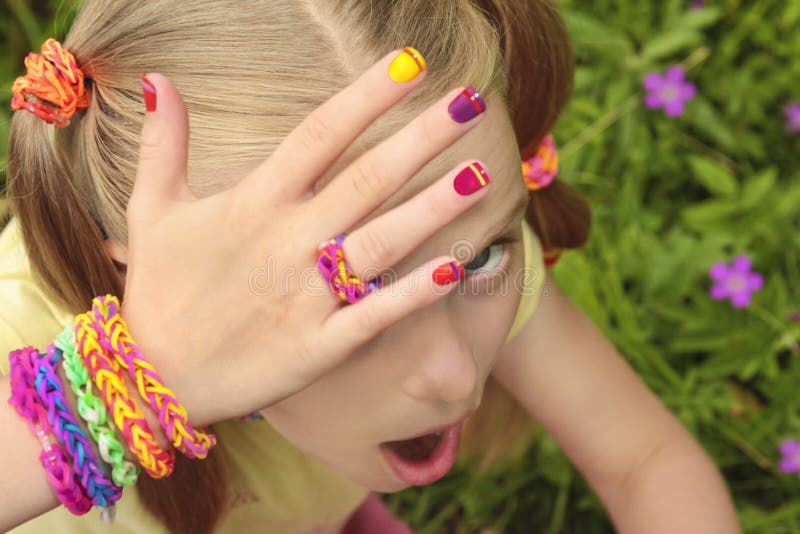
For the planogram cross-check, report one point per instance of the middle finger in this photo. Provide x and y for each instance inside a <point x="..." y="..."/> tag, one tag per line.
<point x="380" y="172"/>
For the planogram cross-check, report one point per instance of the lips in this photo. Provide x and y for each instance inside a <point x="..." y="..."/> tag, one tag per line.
<point x="415" y="463"/>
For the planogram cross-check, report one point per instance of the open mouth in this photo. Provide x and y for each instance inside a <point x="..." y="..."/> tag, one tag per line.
<point x="425" y="459"/>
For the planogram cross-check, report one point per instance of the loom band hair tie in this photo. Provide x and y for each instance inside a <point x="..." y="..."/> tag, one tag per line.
<point x="551" y="256"/>
<point x="541" y="169"/>
<point x="53" y="458"/>
<point x="339" y="275"/>
<point x="53" y="88"/>
<point x="114" y="334"/>
<point x="93" y="411"/>
<point x="126" y="413"/>
<point x="102" y="491"/>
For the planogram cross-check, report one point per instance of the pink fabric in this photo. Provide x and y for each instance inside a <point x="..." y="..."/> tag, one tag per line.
<point x="373" y="517"/>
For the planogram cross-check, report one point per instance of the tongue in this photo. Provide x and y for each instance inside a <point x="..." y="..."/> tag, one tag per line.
<point x="416" y="449"/>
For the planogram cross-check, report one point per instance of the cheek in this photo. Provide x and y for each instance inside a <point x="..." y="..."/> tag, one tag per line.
<point x="488" y="311"/>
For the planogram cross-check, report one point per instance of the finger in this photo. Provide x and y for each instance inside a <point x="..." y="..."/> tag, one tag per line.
<point x="163" y="151"/>
<point x="379" y="173"/>
<point x="314" y="146"/>
<point x="389" y="238"/>
<point x="351" y="326"/>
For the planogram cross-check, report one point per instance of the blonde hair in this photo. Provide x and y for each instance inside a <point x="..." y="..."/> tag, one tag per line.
<point x="249" y="72"/>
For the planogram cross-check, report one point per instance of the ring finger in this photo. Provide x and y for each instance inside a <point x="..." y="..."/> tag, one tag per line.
<point x="387" y="239"/>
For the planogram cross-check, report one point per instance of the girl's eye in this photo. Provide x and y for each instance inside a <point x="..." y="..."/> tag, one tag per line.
<point x="492" y="259"/>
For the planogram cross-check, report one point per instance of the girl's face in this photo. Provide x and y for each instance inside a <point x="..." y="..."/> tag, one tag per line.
<point x="429" y="370"/>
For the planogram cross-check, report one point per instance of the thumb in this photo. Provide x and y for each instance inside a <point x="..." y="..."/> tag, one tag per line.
<point x="163" y="151"/>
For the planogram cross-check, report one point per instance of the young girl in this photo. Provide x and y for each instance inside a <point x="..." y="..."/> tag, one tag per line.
<point x="249" y="72"/>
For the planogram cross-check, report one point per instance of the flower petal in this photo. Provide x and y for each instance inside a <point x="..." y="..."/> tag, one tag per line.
<point x="688" y="91"/>
<point x="755" y="281"/>
<point x="788" y="466"/>
<point x="741" y="299"/>
<point x="742" y="264"/>
<point x="719" y="271"/>
<point x="675" y="108"/>
<point x="653" y="81"/>
<point x="653" y="101"/>
<point x="675" y="74"/>
<point x="718" y="292"/>
<point x="789" y="446"/>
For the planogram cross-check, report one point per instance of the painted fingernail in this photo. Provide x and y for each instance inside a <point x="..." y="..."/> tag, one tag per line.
<point x="407" y="65"/>
<point x="448" y="272"/>
<point x="467" y="105"/>
<point x="149" y="91"/>
<point x="471" y="179"/>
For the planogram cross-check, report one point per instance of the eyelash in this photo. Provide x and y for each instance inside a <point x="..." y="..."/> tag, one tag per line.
<point x="502" y="263"/>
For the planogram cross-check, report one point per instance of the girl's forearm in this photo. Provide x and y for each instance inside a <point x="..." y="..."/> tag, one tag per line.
<point x="24" y="491"/>
<point x="677" y="489"/>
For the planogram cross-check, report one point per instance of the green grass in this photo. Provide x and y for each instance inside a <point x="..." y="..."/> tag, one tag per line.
<point x="670" y="198"/>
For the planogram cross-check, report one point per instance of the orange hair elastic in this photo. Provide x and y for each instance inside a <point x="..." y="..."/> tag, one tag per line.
<point x="53" y="89"/>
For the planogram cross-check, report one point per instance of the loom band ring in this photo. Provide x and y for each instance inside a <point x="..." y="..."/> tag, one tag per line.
<point x="337" y="272"/>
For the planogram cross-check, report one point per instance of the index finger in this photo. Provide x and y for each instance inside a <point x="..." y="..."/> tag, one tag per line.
<point x="315" y="145"/>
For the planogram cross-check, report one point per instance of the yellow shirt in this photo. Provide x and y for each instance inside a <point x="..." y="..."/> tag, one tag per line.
<point x="273" y="484"/>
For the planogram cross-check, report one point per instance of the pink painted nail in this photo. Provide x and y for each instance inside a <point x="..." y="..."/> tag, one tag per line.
<point x="149" y="91"/>
<point x="471" y="179"/>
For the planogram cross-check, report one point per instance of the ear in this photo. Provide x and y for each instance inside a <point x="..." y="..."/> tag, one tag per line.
<point x="118" y="253"/>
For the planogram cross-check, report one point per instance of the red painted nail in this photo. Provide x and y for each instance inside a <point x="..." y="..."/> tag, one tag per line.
<point x="471" y="179"/>
<point x="149" y="91"/>
<point x="448" y="272"/>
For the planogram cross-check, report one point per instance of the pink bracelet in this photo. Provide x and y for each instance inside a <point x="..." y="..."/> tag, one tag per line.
<point x="26" y="402"/>
<point x="102" y="491"/>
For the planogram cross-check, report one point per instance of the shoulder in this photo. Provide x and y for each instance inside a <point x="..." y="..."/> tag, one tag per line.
<point x="27" y="316"/>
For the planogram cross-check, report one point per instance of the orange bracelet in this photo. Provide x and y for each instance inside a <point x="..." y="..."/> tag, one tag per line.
<point x="194" y="443"/>
<point x="129" y="418"/>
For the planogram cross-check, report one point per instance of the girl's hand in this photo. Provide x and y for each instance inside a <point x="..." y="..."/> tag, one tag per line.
<point x="222" y="293"/>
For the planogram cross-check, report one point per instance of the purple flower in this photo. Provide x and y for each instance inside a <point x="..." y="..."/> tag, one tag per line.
<point x="670" y="91"/>
<point x="735" y="281"/>
<point x="698" y="4"/>
<point x="793" y="118"/>
<point x="790" y="450"/>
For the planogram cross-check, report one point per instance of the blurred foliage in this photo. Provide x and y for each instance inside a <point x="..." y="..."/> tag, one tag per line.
<point x="670" y="198"/>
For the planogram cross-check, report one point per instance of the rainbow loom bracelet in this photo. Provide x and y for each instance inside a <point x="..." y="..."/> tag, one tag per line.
<point x="102" y="491"/>
<point x="93" y="411"/>
<point x="172" y="415"/>
<point x="26" y="402"/>
<point x="127" y="415"/>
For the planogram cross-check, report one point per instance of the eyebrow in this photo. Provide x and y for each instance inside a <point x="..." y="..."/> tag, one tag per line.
<point x="499" y="227"/>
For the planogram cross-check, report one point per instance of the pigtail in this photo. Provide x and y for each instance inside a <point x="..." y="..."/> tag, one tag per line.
<point x="64" y="245"/>
<point x="62" y="241"/>
<point x="540" y="69"/>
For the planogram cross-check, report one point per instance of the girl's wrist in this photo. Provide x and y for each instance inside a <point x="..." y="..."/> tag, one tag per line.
<point x="154" y="343"/>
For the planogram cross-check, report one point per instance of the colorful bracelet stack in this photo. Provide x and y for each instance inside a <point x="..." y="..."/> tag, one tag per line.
<point x="95" y="351"/>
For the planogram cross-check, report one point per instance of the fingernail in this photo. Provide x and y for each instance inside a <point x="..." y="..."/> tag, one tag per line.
<point x="448" y="272"/>
<point x="149" y="91"/>
<point x="467" y="105"/>
<point x="407" y="65"/>
<point x="471" y="179"/>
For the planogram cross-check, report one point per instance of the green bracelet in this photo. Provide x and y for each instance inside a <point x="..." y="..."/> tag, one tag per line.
<point x="93" y="411"/>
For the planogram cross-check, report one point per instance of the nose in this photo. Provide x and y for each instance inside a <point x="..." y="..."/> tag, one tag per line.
<point x="444" y="370"/>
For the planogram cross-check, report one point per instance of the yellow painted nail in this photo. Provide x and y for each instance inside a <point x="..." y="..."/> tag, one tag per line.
<point x="407" y="65"/>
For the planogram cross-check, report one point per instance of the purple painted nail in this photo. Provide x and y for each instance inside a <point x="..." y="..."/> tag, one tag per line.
<point x="471" y="179"/>
<point x="467" y="105"/>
